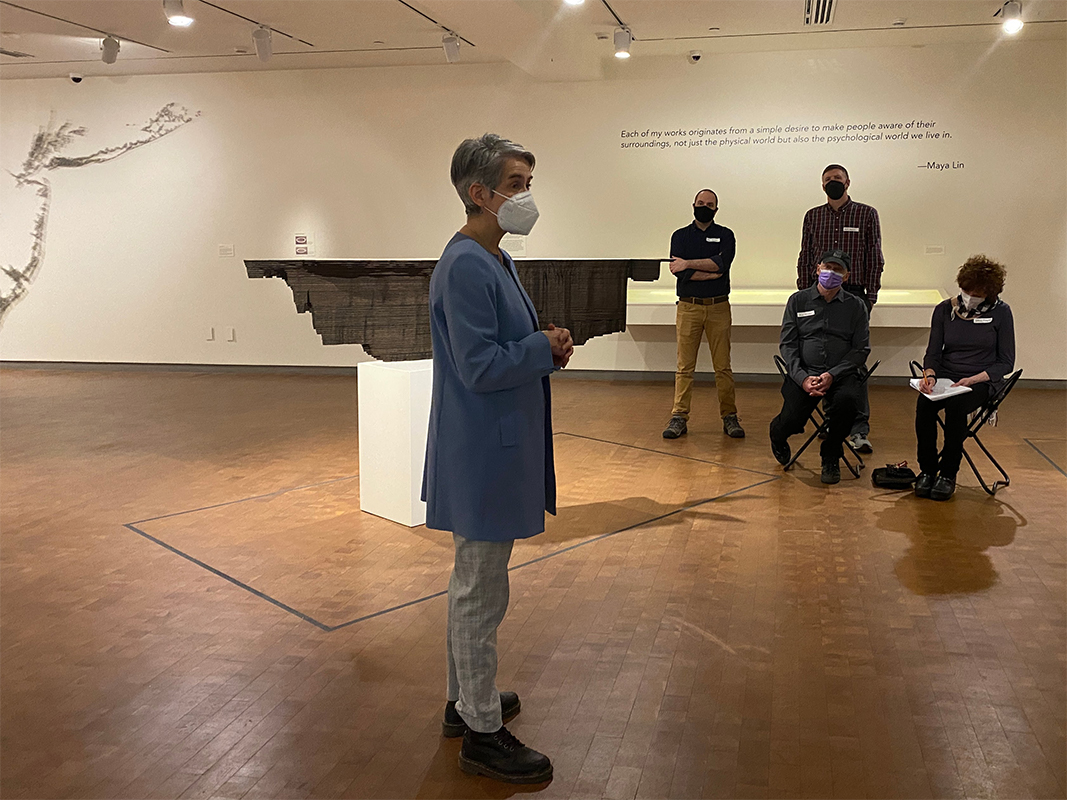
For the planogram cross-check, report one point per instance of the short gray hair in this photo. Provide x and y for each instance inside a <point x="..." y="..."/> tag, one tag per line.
<point x="482" y="161"/>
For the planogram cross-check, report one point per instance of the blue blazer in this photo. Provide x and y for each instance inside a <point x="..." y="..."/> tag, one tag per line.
<point x="489" y="473"/>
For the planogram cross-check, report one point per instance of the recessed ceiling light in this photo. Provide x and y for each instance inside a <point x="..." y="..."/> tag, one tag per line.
<point x="899" y="22"/>
<point x="378" y="41"/>
<point x="175" y="13"/>
<point x="1011" y="14"/>
<point x="574" y="2"/>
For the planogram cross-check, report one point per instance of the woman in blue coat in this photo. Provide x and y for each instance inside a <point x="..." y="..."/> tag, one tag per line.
<point x="489" y="476"/>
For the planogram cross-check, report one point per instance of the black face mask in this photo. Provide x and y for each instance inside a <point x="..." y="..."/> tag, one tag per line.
<point x="704" y="213"/>
<point x="835" y="190"/>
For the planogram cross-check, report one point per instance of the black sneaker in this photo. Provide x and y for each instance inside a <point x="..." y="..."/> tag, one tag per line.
<point x="454" y="726"/>
<point x="781" y="450"/>
<point x="502" y="757"/>
<point x="943" y="488"/>
<point x="923" y="484"/>
<point x="831" y="471"/>
<point x="732" y="428"/>
<point x="675" y="428"/>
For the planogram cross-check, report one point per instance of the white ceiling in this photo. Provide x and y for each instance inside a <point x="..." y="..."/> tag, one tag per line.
<point x="547" y="38"/>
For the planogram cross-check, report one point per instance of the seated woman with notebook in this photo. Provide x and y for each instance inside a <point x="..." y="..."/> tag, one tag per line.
<point x="972" y="342"/>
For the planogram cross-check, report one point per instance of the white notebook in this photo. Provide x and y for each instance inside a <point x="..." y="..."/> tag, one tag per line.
<point x="942" y="389"/>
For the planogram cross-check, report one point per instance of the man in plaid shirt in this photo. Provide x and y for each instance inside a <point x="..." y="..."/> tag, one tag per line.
<point x="842" y="223"/>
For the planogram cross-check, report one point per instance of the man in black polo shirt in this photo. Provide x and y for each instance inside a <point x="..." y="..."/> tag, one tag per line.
<point x="824" y="342"/>
<point x="701" y="254"/>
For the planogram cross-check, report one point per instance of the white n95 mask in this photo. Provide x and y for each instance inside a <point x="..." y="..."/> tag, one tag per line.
<point x="518" y="213"/>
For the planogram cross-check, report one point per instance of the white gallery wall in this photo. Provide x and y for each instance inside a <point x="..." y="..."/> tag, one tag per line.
<point x="358" y="158"/>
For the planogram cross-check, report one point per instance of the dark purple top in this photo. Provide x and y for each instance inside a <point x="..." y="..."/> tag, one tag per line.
<point x="960" y="348"/>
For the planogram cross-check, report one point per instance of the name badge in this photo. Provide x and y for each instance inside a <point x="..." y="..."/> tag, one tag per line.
<point x="982" y="320"/>
<point x="805" y="313"/>
<point x="851" y="230"/>
<point x="714" y="240"/>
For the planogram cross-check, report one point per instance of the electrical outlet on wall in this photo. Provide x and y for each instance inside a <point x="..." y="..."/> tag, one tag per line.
<point x="226" y="251"/>
<point x="304" y="244"/>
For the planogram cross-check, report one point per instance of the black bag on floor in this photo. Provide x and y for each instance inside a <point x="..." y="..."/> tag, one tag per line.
<point x="894" y="476"/>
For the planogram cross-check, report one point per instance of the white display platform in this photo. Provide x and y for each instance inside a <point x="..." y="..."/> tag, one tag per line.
<point x="653" y="304"/>
<point x="394" y="413"/>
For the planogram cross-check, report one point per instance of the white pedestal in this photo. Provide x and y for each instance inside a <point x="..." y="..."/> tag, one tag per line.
<point x="394" y="412"/>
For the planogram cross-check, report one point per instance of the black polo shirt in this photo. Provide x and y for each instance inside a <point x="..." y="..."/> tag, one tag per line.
<point x="716" y="243"/>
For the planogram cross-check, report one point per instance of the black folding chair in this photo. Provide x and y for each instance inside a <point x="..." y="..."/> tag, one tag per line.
<point x="979" y="418"/>
<point x="822" y="426"/>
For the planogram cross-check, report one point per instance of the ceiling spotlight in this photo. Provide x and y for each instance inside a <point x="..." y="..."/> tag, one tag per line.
<point x="261" y="39"/>
<point x="110" y="47"/>
<point x="176" y="15"/>
<point x="622" y="42"/>
<point x="574" y="2"/>
<point x="1011" y="14"/>
<point x="451" y="44"/>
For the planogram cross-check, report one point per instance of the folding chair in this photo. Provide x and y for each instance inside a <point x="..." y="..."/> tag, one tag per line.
<point x="822" y="425"/>
<point x="978" y="419"/>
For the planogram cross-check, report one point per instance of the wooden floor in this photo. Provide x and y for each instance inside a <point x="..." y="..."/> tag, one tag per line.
<point x="193" y="606"/>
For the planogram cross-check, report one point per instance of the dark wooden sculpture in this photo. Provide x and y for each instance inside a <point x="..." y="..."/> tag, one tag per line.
<point x="384" y="305"/>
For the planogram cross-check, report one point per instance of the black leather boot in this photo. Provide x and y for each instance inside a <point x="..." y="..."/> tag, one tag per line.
<point x="502" y="757"/>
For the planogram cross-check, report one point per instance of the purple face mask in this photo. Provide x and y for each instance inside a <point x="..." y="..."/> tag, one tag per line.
<point x="828" y="279"/>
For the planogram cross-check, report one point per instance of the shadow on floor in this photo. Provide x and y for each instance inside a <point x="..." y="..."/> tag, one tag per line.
<point x="948" y="540"/>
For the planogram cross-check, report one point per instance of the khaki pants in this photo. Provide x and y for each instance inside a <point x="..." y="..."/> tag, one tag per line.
<point x="692" y="323"/>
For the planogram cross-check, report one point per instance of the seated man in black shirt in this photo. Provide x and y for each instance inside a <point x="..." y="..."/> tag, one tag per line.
<point x="824" y="342"/>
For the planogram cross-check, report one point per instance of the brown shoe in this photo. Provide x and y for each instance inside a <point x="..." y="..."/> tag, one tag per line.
<point x="675" y="428"/>
<point x="732" y="428"/>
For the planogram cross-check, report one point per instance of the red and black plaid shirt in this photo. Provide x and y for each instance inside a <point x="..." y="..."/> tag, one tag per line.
<point x="855" y="229"/>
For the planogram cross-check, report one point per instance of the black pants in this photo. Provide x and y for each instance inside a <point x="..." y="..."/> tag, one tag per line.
<point x="862" y="423"/>
<point x="840" y="405"/>
<point x="956" y="410"/>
